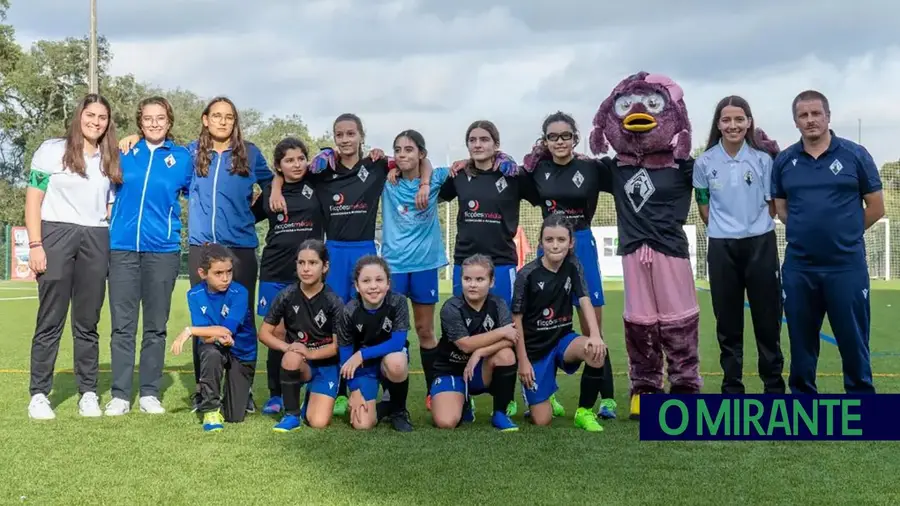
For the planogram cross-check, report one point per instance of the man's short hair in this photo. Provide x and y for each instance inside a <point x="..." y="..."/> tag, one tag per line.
<point x="810" y="95"/>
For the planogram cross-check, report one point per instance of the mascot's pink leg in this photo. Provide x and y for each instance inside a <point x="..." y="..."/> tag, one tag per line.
<point x="679" y="321"/>
<point x="642" y="337"/>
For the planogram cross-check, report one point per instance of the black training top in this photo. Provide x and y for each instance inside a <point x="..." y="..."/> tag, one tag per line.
<point x="459" y="320"/>
<point x="363" y="328"/>
<point x="488" y="215"/>
<point x="570" y="190"/>
<point x="303" y="220"/>
<point x="651" y="206"/>
<point x="544" y="299"/>
<point x="350" y="199"/>
<point x="309" y="321"/>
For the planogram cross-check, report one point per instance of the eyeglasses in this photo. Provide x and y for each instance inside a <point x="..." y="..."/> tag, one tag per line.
<point x="219" y="118"/>
<point x="553" y="137"/>
<point x="159" y="120"/>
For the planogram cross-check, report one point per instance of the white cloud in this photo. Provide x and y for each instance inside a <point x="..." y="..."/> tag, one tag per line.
<point x="436" y="66"/>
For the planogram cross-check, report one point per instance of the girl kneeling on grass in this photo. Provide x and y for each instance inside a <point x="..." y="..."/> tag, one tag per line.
<point x="475" y="354"/>
<point x="542" y="311"/>
<point x="372" y="338"/>
<point x="309" y="310"/>
<point x="226" y="339"/>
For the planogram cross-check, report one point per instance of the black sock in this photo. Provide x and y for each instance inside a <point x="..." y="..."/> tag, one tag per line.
<point x="290" y="391"/>
<point x="607" y="390"/>
<point x="273" y="372"/>
<point x="428" y="358"/>
<point x="342" y="387"/>
<point x="398" y="391"/>
<point x="503" y="386"/>
<point x="591" y="381"/>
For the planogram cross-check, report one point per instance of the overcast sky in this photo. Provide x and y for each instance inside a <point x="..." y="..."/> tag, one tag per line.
<point x="438" y="65"/>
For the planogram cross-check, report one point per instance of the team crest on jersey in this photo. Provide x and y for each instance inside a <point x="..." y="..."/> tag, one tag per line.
<point x="541" y="285"/>
<point x="568" y="285"/>
<point x="468" y="321"/>
<point x="359" y="327"/>
<point x="748" y="178"/>
<point x="638" y="189"/>
<point x="224" y="311"/>
<point x="307" y="192"/>
<point x="387" y="325"/>
<point x="280" y="217"/>
<point x="296" y="309"/>
<point x="170" y="161"/>
<point x="363" y="174"/>
<point x="546" y="176"/>
<point x="488" y="323"/>
<point x="134" y="151"/>
<point x="263" y="301"/>
<point x="836" y="167"/>
<point x="501" y="184"/>
<point x="578" y="179"/>
<point x="203" y="309"/>
<point x="320" y="318"/>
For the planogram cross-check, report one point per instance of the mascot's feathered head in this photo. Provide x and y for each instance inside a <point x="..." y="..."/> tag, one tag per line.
<point x="645" y="121"/>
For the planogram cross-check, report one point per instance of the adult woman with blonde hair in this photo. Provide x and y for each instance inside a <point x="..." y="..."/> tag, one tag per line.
<point x="67" y="216"/>
<point x="145" y="239"/>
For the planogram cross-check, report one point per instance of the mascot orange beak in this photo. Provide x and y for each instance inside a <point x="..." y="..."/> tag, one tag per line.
<point x="639" y="122"/>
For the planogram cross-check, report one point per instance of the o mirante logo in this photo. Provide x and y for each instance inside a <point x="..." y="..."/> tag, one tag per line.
<point x="770" y="417"/>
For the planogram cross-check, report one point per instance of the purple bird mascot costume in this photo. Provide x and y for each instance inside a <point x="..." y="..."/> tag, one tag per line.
<point x="646" y="123"/>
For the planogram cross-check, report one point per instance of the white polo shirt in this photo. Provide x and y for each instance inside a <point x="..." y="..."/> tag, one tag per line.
<point x="71" y="198"/>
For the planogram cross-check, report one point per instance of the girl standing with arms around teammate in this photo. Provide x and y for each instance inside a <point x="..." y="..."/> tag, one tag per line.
<point x="308" y="312"/>
<point x="489" y="192"/>
<point x="542" y="310"/>
<point x="475" y="354"/>
<point x="225" y="340"/>
<point x="372" y="343"/>
<point x="145" y="239"/>
<point x="732" y="181"/>
<point x="412" y="244"/>
<point x="350" y="189"/>
<point x="568" y="186"/>
<point x="67" y="216"/>
<point x="288" y="229"/>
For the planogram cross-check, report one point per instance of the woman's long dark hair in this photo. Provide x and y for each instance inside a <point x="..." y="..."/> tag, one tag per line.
<point x="755" y="137"/>
<point x="73" y="158"/>
<point x="240" y="163"/>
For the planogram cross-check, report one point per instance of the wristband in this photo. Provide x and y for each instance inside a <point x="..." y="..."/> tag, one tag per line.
<point x="35" y="244"/>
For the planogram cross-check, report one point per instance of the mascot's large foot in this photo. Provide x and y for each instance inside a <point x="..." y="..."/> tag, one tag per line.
<point x="645" y="357"/>
<point x="680" y="341"/>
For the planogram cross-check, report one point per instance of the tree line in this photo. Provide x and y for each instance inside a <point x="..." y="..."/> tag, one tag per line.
<point x="40" y="85"/>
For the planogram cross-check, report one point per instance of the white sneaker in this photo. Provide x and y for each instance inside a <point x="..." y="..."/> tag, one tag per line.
<point x="151" y="405"/>
<point x="89" y="405"/>
<point x="39" y="408"/>
<point x="117" y="407"/>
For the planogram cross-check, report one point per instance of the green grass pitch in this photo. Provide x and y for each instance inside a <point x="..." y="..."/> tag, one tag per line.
<point x="141" y="459"/>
